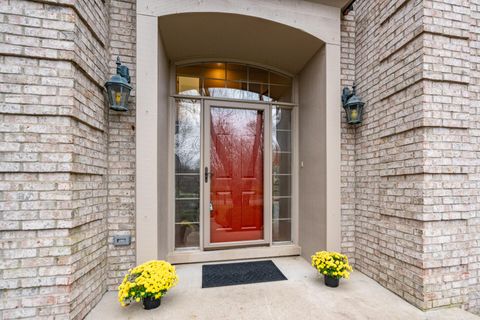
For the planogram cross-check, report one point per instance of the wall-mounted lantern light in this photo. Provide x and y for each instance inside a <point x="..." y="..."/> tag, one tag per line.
<point x="353" y="105"/>
<point x="118" y="88"/>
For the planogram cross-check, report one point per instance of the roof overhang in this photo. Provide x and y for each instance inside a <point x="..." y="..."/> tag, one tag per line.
<point x="333" y="3"/>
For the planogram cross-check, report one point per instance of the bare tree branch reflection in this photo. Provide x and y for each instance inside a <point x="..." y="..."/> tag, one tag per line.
<point x="237" y="166"/>
<point x="187" y="136"/>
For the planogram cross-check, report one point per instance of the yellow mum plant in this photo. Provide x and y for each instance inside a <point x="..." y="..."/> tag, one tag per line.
<point x="331" y="264"/>
<point x="149" y="280"/>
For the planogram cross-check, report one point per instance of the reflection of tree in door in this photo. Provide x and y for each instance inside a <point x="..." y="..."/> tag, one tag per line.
<point x="187" y="173"/>
<point x="236" y="157"/>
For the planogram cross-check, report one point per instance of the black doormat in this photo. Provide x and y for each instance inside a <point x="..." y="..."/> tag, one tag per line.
<point x="229" y="274"/>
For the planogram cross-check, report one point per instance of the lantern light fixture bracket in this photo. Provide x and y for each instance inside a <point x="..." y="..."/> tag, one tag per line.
<point x="347" y="94"/>
<point x="122" y="70"/>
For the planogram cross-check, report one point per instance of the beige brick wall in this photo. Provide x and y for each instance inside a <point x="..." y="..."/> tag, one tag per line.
<point x="348" y="139"/>
<point x="416" y="217"/>
<point x="53" y="159"/>
<point x="473" y="223"/>
<point x="410" y="173"/>
<point x="121" y="147"/>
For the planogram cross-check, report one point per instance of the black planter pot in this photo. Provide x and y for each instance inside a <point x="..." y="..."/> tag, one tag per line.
<point x="151" y="303"/>
<point x="331" y="282"/>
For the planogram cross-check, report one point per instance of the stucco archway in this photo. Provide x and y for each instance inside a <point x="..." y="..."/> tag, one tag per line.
<point x="312" y="28"/>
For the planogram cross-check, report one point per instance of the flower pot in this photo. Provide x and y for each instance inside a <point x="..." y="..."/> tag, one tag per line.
<point x="331" y="282"/>
<point x="151" y="303"/>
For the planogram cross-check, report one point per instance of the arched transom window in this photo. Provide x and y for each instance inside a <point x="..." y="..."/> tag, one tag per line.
<point x="233" y="81"/>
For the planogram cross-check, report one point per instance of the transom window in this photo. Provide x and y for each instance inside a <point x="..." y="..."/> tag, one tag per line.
<point x="233" y="81"/>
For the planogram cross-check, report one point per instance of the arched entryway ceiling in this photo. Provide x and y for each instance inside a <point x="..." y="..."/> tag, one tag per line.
<point x="231" y="36"/>
<point x="320" y="18"/>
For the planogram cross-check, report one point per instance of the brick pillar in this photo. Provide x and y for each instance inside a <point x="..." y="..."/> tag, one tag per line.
<point x="53" y="157"/>
<point x="416" y="152"/>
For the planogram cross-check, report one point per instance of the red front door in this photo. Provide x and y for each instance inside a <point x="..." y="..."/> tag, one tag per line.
<point x="236" y="160"/>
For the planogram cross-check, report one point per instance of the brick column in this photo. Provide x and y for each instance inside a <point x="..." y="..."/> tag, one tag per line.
<point x="53" y="157"/>
<point x="416" y="152"/>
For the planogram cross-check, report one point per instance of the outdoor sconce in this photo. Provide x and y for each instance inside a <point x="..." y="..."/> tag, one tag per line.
<point x="353" y="105"/>
<point x="118" y="88"/>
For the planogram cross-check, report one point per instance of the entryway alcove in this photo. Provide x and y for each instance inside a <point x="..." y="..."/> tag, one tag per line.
<point x="260" y="185"/>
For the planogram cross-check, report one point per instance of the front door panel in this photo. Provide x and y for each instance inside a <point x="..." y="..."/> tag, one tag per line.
<point x="236" y="161"/>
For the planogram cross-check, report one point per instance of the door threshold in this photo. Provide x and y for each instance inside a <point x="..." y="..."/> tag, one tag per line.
<point x="179" y="257"/>
<point x="226" y="246"/>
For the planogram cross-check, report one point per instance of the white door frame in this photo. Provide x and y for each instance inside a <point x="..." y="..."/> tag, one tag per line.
<point x="267" y="170"/>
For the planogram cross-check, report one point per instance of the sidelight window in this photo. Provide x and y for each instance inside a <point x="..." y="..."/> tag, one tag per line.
<point x="187" y="173"/>
<point x="281" y="174"/>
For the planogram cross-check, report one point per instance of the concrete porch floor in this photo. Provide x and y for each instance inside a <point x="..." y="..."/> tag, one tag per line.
<point x="303" y="296"/>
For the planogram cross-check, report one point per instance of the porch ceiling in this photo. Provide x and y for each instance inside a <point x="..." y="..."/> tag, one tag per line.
<point x="230" y="36"/>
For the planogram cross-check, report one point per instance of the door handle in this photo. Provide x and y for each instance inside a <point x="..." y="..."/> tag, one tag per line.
<point x="207" y="174"/>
